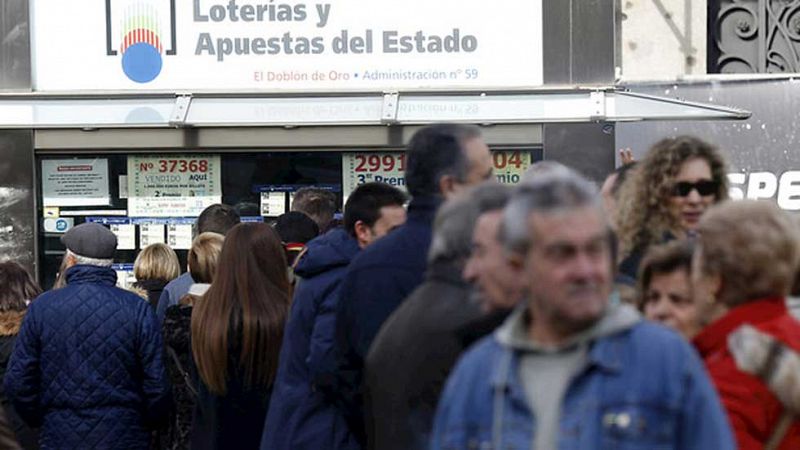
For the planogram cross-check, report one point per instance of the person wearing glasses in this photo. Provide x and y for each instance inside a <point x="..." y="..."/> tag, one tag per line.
<point x="670" y="190"/>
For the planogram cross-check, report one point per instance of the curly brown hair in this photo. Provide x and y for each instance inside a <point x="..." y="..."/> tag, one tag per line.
<point x="644" y="205"/>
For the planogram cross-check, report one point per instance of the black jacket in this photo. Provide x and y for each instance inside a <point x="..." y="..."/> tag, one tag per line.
<point x="413" y="354"/>
<point x="154" y="288"/>
<point x="177" y="334"/>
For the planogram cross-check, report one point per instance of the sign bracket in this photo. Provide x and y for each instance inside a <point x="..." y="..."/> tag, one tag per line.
<point x="180" y="111"/>
<point x="391" y="106"/>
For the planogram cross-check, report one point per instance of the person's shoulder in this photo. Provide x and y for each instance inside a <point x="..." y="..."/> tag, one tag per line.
<point x="651" y="344"/>
<point x="785" y="328"/>
<point x="45" y="298"/>
<point x="648" y="330"/>
<point x="182" y="282"/>
<point x="479" y="360"/>
<point x="127" y="296"/>
<point x="52" y="299"/>
<point x="397" y="249"/>
<point x="177" y="312"/>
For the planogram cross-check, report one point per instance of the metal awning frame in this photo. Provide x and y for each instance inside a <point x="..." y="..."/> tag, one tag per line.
<point x="95" y="110"/>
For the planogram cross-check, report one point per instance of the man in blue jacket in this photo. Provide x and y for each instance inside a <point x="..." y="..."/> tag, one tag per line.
<point x="301" y="415"/>
<point x="87" y="365"/>
<point x="441" y="161"/>
<point x="567" y="370"/>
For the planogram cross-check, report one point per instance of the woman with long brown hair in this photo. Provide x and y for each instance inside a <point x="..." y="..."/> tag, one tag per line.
<point x="17" y="289"/>
<point x="236" y="338"/>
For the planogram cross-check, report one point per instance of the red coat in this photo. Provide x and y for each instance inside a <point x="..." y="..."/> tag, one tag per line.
<point x="752" y="409"/>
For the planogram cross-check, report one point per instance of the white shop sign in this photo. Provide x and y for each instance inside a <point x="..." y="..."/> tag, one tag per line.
<point x="286" y="44"/>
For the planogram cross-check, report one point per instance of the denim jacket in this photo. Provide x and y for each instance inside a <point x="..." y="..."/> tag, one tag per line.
<point x="642" y="388"/>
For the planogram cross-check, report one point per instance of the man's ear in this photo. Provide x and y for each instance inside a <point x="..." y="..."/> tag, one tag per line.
<point x="70" y="260"/>
<point x="447" y="185"/>
<point x="716" y="284"/>
<point x="363" y="232"/>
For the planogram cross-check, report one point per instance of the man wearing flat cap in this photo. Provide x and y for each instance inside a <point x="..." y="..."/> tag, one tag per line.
<point x="87" y="365"/>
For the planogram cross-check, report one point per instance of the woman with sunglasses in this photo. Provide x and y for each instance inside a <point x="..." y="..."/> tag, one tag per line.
<point x="675" y="183"/>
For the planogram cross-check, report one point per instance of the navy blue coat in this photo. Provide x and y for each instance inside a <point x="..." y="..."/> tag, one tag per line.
<point x="300" y="415"/>
<point x="87" y="365"/>
<point x="376" y="283"/>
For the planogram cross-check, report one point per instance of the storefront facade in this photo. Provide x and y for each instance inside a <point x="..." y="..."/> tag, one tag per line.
<point x="138" y="114"/>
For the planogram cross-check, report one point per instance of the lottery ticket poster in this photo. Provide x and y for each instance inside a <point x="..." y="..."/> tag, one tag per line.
<point x="172" y="185"/>
<point x="389" y="167"/>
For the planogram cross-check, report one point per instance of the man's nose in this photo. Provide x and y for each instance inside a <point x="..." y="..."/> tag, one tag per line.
<point x="585" y="266"/>
<point x="469" y="273"/>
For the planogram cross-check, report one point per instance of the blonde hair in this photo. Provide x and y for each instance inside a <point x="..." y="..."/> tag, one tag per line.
<point x="203" y="256"/>
<point x="156" y="262"/>
<point x="644" y="203"/>
<point x="753" y="246"/>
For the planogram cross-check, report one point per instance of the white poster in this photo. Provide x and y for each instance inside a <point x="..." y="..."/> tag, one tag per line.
<point x="287" y="45"/>
<point x="179" y="236"/>
<point x="151" y="233"/>
<point x="126" y="235"/>
<point x="273" y="204"/>
<point x="125" y="276"/>
<point x="172" y="185"/>
<point x="389" y="168"/>
<point x="75" y="182"/>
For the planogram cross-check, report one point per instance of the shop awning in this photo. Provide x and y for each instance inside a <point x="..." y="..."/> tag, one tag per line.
<point x="160" y="110"/>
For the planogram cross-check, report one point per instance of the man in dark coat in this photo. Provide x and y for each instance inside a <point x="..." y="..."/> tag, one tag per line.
<point x="410" y="359"/>
<point x="87" y="365"/>
<point x="442" y="160"/>
<point x="301" y="415"/>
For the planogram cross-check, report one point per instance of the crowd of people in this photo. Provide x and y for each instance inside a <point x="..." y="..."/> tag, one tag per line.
<point x="653" y="313"/>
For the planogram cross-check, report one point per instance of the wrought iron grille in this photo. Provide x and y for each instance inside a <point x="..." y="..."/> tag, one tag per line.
<point x="754" y="36"/>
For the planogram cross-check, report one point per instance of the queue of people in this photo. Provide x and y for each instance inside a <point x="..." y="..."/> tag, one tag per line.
<point x="479" y="316"/>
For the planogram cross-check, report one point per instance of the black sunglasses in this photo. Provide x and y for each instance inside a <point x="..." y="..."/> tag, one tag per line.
<point x="704" y="188"/>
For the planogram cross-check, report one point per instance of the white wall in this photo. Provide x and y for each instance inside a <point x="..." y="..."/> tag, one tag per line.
<point x="662" y="43"/>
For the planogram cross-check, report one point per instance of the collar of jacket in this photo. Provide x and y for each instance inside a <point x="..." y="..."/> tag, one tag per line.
<point x="605" y="354"/>
<point x="715" y="336"/>
<point x="10" y="321"/>
<point x="423" y="208"/>
<point x="151" y="285"/>
<point x="446" y="272"/>
<point x="82" y="273"/>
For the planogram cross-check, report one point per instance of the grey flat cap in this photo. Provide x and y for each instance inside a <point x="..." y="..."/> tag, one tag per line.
<point x="91" y="240"/>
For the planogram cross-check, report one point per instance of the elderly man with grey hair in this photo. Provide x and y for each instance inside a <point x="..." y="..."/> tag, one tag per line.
<point x="567" y="369"/>
<point x="87" y="365"/>
<point x="418" y="345"/>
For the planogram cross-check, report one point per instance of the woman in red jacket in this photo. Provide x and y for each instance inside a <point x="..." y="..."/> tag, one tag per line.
<point x="743" y="268"/>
